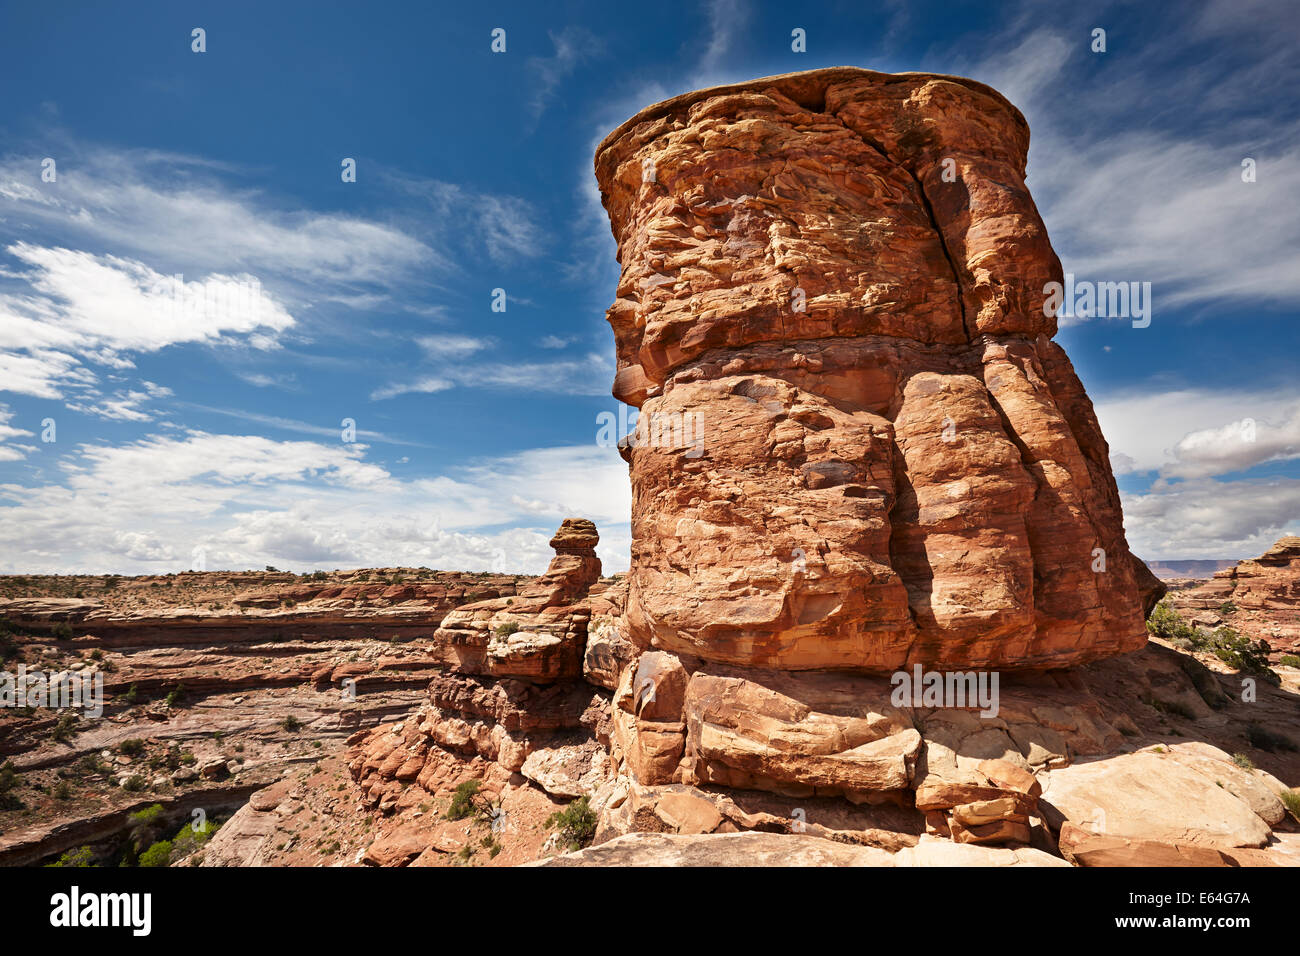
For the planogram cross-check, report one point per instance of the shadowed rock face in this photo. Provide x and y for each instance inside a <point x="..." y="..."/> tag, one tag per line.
<point x="858" y="447"/>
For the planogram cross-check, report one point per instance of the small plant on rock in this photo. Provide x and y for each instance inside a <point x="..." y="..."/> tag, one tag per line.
<point x="576" y="823"/>
<point x="467" y="801"/>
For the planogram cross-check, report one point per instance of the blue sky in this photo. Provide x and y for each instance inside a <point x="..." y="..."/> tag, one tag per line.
<point x="200" y="420"/>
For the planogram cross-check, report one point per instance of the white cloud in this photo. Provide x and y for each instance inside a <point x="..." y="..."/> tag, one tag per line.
<point x="8" y="450"/>
<point x="125" y="405"/>
<point x="1236" y="446"/>
<point x="167" y="209"/>
<point x="592" y="374"/>
<point x="81" y="308"/>
<point x="451" y="345"/>
<point x="247" y="501"/>
<point x="573" y="45"/>
<point x="1204" y="518"/>
<point x="1189" y="433"/>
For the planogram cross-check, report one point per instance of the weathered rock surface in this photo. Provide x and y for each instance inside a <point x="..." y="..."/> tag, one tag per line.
<point x="512" y="692"/>
<point x="1262" y="595"/>
<point x="777" y="850"/>
<point x="1154" y="797"/>
<point x="858" y="446"/>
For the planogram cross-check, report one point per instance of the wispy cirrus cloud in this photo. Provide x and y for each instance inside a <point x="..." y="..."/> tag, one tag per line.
<point x="591" y="374"/>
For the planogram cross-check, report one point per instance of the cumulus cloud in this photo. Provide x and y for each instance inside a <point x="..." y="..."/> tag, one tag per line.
<point x="246" y="501"/>
<point x="1186" y="433"/>
<point x="1205" y="518"/>
<point x="1236" y="446"/>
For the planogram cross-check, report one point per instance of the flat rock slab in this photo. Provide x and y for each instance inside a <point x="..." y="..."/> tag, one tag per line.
<point x="1150" y="796"/>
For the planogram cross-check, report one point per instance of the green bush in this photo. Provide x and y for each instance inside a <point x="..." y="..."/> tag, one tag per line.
<point x="131" y="747"/>
<point x="576" y="823"/>
<point x="1165" y="623"/>
<point x="81" y="856"/>
<point x="65" y="728"/>
<point x="1289" y="660"/>
<point x="188" y="839"/>
<point x="1243" y="761"/>
<point x="1227" y="607"/>
<point x="466" y="801"/>
<point x="291" y="723"/>
<point x="508" y="628"/>
<point x="158" y="854"/>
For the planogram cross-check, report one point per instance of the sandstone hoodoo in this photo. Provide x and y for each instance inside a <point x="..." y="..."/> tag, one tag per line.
<point x="838" y="278"/>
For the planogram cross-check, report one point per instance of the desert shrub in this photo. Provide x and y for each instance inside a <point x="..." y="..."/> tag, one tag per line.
<point x="81" y="856"/>
<point x="1243" y="761"/>
<point x="131" y="747"/>
<point x="63" y="631"/>
<point x="1289" y="660"/>
<point x="188" y="839"/>
<point x="92" y="764"/>
<point x="65" y="727"/>
<point x="1227" y="607"/>
<point x="1166" y="623"/>
<point x="130" y="696"/>
<point x="508" y="628"/>
<point x="1178" y="708"/>
<point x="467" y="801"/>
<point x="1239" y="651"/>
<point x="576" y="823"/>
<point x="175" y="694"/>
<point x="291" y="723"/>
<point x="134" y="783"/>
<point x="1262" y="738"/>
<point x="62" y="790"/>
<point x="1291" y="799"/>
<point x="158" y="854"/>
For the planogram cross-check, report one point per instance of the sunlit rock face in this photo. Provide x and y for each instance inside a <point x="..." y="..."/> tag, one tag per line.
<point x="859" y="447"/>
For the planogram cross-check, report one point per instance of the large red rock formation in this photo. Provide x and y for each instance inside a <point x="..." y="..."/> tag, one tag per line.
<point x="858" y="446"/>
